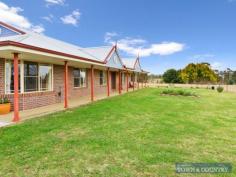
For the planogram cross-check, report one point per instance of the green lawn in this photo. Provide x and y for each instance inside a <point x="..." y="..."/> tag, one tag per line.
<point x="136" y="134"/>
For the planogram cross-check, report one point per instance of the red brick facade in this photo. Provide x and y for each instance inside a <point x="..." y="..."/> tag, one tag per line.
<point x="2" y="78"/>
<point x="38" y="99"/>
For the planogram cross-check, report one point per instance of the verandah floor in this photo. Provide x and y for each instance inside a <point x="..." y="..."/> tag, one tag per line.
<point x="37" y="112"/>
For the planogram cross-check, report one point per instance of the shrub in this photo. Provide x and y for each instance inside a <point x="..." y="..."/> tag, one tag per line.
<point x="4" y="100"/>
<point x="220" y="89"/>
<point x="177" y="92"/>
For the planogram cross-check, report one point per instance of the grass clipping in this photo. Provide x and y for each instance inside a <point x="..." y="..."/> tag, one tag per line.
<point x="178" y="92"/>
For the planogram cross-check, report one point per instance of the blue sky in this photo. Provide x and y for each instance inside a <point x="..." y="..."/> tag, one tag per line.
<point x="166" y="33"/>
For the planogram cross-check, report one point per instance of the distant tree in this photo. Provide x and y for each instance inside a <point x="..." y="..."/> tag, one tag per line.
<point x="198" y="73"/>
<point x="171" y="76"/>
<point x="228" y="76"/>
<point x="234" y="77"/>
<point x="189" y="73"/>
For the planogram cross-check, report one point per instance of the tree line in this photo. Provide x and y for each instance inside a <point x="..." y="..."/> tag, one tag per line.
<point x="199" y="73"/>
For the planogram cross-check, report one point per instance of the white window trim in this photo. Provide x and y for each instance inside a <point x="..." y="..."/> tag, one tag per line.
<point x="22" y="78"/>
<point x="39" y="85"/>
<point x="104" y="77"/>
<point x="84" y="86"/>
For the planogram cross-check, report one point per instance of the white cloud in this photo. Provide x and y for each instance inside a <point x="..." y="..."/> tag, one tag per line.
<point x="72" y="19"/>
<point x="135" y="46"/>
<point x="109" y="36"/>
<point x="216" y="65"/>
<point x="38" y="29"/>
<point x="48" y="18"/>
<point x="55" y="2"/>
<point x="12" y="16"/>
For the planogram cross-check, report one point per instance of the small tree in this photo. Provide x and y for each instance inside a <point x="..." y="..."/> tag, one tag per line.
<point x="234" y="77"/>
<point x="171" y="76"/>
<point x="198" y="73"/>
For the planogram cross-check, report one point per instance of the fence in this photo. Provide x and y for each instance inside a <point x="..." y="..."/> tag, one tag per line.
<point x="227" y="88"/>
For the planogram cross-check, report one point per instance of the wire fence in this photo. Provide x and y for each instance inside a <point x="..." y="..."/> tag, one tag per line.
<point x="227" y="88"/>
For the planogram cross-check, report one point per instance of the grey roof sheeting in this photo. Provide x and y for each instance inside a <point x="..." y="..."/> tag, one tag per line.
<point x="96" y="54"/>
<point x="99" y="53"/>
<point x="129" y="62"/>
<point x="41" y="41"/>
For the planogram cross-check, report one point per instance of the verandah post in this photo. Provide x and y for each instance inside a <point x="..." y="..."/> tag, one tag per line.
<point x="138" y="80"/>
<point x="66" y="84"/>
<point x="108" y="82"/>
<point x="16" y="87"/>
<point x="133" y="80"/>
<point x="142" y="80"/>
<point x="127" y="81"/>
<point x="119" y="82"/>
<point x="92" y="83"/>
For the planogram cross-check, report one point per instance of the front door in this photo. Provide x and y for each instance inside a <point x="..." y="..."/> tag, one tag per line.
<point x="113" y="80"/>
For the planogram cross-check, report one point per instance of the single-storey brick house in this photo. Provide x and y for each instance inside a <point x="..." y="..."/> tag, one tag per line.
<point x="36" y="70"/>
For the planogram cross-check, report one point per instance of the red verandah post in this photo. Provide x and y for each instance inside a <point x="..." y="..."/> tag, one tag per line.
<point x="16" y="87"/>
<point x="133" y="80"/>
<point x="66" y="84"/>
<point x="142" y="80"/>
<point x="119" y="82"/>
<point x="92" y="83"/>
<point x="108" y="82"/>
<point x="138" y="80"/>
<point x="127" y="81"/>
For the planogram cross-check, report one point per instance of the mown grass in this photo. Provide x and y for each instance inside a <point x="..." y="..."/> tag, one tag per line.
<point x="136" y="134"/>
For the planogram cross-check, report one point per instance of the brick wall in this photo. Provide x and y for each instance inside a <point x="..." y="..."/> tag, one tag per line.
<point x="98" y="89"/>
<point x="58" y="82"/>
<point x="2" y="78"/>
<point x="38" y="99"/>
<point x="76" y="93"/>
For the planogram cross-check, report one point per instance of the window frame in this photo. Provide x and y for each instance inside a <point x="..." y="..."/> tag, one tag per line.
<point x="5" y="77"/>
<point x="103" y="77"/>
<point x="123" y="79"/>
<point x="85" y="79"/>
<point x="39" y="77"/>
<point x="22" y="77"/>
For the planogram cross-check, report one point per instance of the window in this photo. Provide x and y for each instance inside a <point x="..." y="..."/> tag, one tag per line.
<point x="31" y="77"/>
<point x="9" y="73"/>
<point x="102" y="78"/>
<point x="45" y="77"/>
<point x="79" y="77"/>
<point x="123" y="79"/>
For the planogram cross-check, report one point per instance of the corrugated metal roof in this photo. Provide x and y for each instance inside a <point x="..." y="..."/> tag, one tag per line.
<point x="100" y="53"/>
<point x="42" y="41"/>
<point x="129" y="62"/>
